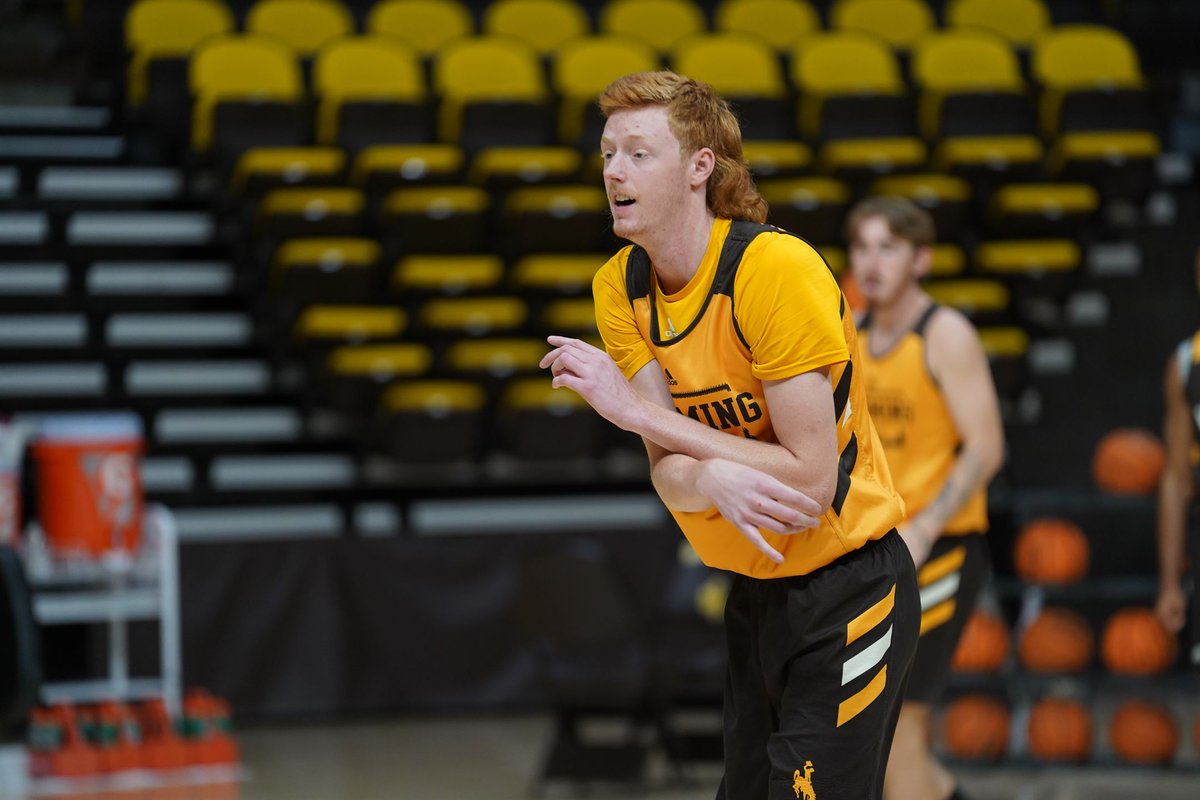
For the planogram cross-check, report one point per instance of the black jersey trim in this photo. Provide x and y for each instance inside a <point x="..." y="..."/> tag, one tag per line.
<point x="846" y="464"/>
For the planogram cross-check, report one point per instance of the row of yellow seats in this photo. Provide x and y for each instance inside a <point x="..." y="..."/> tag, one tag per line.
<point x="577" y="211"/>
<point x="547" y="24"/>
<point x="481" y="70"/>
<point x="316" y="270"/>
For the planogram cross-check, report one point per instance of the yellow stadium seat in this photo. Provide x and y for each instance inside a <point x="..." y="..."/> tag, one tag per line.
<point x="473" y="316"/>
<point x="557" y="273"/>
<point x="538" y="422"/>
<point x="417" y="276"/>
<point x="947" y="198"/>
<point x="782" y="23"/>
<point x="900" y="23"/>
<point x="356" y="376"/>
<point x="434" y="422"/>
<point x="248" y="94"/>
<point x="777" y="159"/>
<point x="426" y="25"/>
<point x="984" y="302"/>
<point x="372" y="91"/>
<point x="263" y="168"/>
<point x="984" y="159"/>
<point x="971" y="85"/>
<point x="495" y="358"/>
<point x="947" y="261"/>
<point x="1007" y="349"/>
<point x="557" y="219"/>
<point x="1036" y="209"/>
<point x="545" y="25"/>
<point x="1027" y="256"/>
<point x="855" y="159"/>
<point x="570" y="317"/>
<point x="1020" y="22"/>
<point x="1121" y="164"/>
<point x="327" y="212"/>
<point x="161" y="34"/>
<point x="493" y="93"/>
<point x="305" y="25"/>
<point x="808" y="207"/>
<point x="1039" y="273"/>
<point x="1092" y="81"/>
<point x="324" y="326"/>
<point x="658" y="23"/>
<point x="506" y="168"/>
<point x="744" y="70"/>
<point x="851" y="88"/>
<point x="580" y="72"/>
<point x="435" y="219"/>
<point x="382" y="168"/>
<point x="327" y="270"/>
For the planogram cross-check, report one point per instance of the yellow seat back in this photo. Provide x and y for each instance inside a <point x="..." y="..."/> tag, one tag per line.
<point x="965" y="61"/>
<point x="735" y="64"/>
<point x="168" y="29"/>
<point x="423" y="24"/>
<point x="659" y="23"/>
<point x="239" y="68"/>
<point x="305" y="25"/>
<point x="900" y="23"/>
<point x="1019" y="21"/>
<point x="1085" y="56"/>
<point x="542" y="24"/>
<point x="782" y="23"/>
<point x="845" y="63"/>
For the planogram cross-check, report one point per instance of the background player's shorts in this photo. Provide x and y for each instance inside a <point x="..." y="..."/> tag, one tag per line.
<point x="817" y="665"/>
<point x="949" y="581"/>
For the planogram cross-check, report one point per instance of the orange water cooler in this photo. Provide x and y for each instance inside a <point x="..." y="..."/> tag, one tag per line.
<point x="89" y="486"/>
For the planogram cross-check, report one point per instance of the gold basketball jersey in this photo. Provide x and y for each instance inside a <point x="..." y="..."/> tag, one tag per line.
<point x="766" y="308"/>
<point x="915" y="426"/>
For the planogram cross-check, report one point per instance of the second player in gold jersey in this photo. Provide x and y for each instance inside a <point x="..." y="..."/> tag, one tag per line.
<point x="915" y="425"/>
<point x="931" y="396"/>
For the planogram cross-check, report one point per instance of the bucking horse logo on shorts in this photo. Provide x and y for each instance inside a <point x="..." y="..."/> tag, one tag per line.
<point x="804" y="784"/>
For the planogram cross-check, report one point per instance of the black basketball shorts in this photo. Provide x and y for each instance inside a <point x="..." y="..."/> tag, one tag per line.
<point x="817" y="667"/>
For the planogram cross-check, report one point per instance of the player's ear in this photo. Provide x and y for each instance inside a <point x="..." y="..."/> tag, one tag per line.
<point x="702" y="165"/>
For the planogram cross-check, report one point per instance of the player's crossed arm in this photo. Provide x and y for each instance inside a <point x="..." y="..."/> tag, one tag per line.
<point x="693" y="467"/>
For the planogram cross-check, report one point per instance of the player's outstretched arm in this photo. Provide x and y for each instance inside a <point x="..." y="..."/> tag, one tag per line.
<point x="959" y="365"/>
<point x="1174" y="495"/>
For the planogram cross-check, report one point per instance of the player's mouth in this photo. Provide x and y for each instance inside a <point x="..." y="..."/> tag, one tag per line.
<point x="623" y="200"/>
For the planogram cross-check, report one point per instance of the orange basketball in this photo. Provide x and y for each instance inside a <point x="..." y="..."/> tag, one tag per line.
<point x="1136" y="643"/>
<point x="976" y="727"/>
<point x="1143" y="733"/>
<point x="1051" y="551"/>
<point x="983" y="646"/>
<point x="1128" y="461"/>
<point x="1059" y="730"/>
<point x="1059" y="640"/>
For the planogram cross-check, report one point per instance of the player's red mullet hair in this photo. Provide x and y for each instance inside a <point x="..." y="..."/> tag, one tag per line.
<point x="698" y="118"/>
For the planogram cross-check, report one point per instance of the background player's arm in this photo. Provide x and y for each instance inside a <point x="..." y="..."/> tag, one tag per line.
<point x="959" y="365"/>
<point x="1174" y="495"/>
